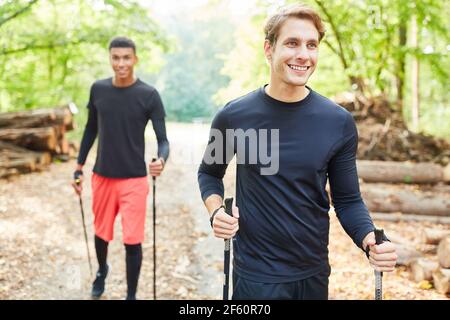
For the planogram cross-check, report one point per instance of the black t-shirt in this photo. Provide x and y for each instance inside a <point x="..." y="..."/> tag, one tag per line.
<point x="119" y="115"/>
<point x="284" y="221"/>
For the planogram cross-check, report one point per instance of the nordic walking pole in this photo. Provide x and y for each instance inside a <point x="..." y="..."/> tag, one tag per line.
<point x="379" y="234"/>
<point x="77" y="181"/>
<point x="154" y="235"/>
<point x="226" y="252"/>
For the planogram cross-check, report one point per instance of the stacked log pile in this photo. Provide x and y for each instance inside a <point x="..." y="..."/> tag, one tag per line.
<point x="29" y="140"/>
<point x="404" y="191"/>
<point x="428" y="262"/>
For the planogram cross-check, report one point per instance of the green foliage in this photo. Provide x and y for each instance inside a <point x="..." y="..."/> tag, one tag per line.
<point x="191" y="74"/>
<point x="52" y="50"/>
<point x="51" y="53"/>
<point x="362" y="50"/>
<point x="245" y="64"/>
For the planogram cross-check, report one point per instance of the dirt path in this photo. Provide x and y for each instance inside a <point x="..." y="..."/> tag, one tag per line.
<point x="42" y="249"/>
<point x="43" y="255"/>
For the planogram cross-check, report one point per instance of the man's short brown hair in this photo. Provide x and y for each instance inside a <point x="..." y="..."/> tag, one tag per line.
<point x="300" y="11"/>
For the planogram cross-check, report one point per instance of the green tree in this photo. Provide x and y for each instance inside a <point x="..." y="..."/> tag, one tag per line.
<point x="191" y="75"/>
<point x="366" y="49"/>
<point x="52" y="50"/>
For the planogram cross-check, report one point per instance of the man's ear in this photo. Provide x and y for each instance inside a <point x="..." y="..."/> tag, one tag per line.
<point x="268" y="50"/>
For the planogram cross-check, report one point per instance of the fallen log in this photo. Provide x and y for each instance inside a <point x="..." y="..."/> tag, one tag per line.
<point x="27" y="119"/>
<point x="422" y="269"/>
<point x="399" y="172"/>
<point x="398" y="217"/>
<point x="11" y="151"/>
<point x="64" y="146"/>
<point x="441" y="280"/>
<point x="39" y="139"/>
<point x="15" y="160"/>
<point x="14" y="167"/>
<point x="38" y="118"/>
<point x="406" y="254"/>
<point x="447" y="173"/>
<point x="434" y="236"/>
<point x="443" y="252"/>
<point x="74" y="148"/>
<point x="64" y="117"/>
<point x="389" y="198"/>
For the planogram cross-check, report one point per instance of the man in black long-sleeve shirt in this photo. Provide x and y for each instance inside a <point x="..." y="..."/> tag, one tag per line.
<point x="119" y="110"/>
<point x="281" y="249"/>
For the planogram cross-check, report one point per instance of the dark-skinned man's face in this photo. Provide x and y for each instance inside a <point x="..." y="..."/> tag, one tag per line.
<point x="122" y="61"/>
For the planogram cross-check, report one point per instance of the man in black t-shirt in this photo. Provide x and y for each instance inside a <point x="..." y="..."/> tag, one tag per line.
<point x="119" y="110"/>
<point x="288" y="140"/>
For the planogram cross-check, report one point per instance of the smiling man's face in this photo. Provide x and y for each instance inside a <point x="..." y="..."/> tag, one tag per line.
<point x="123" y="61"/>
<point x="293" y="58"/>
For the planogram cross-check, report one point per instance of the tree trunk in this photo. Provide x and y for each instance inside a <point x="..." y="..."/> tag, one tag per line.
<point x="13" y="167"/>
<point x="40" y="139"/>
<point x="394" y="217"/>
<point x="447" y="173"/>
<point x="15" y="160"/>
<point x="422" y="269"/>
<point x="406" y="254"/>
<point x="39" y="129"/>
<point x="399" y="172"/>
<point x="387" y="198"/>
<point x="64" y="117"/>
<point x="400" y="74"/>
<point x="415" y="106"/>
<point x="27" y="119"/>
<point x="443" y="252"/>
<point x="441" y="280"/>
<point x="61" y="116"/>
<point x="434" y="236"/>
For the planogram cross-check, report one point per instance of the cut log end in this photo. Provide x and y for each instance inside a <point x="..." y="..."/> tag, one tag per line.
<point x="441" y="280"/>
<point x="422" y="269"/>
<point x="434" y="236"/>
<point x="443" y="252"/>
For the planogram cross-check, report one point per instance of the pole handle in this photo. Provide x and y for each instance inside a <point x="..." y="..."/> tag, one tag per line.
<point x="153" y="160"/>
<point x="379" y="235"/>
<point x="229" y="206"/>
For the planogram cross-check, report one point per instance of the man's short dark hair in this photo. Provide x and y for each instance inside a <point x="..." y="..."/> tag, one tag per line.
<point x="122" y="42"/>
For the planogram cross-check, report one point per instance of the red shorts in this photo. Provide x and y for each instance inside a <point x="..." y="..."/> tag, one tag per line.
<point x="127" y="196"/>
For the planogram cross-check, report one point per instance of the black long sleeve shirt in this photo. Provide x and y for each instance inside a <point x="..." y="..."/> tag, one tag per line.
<point x="119" y="115"/>
<point x="284" y="220"/>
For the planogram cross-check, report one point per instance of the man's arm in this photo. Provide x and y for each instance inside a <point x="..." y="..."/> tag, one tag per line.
<point x="157" y="115"/>
<point x="349" y="206"/>
<point x="159" y="127"/>
<point x="89" y="135"/>
<point x="210" y="175"/>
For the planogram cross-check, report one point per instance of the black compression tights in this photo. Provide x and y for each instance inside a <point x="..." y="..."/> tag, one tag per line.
<point x="101" y="248"/>
<point x="134" y="261"/>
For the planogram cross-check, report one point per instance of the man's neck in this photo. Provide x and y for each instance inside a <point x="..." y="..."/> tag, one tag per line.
<point x="117" y="82"/>
<point x="286" y="93"/>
